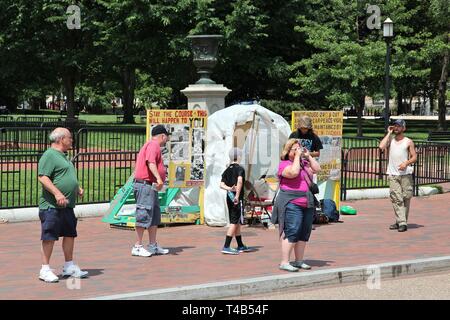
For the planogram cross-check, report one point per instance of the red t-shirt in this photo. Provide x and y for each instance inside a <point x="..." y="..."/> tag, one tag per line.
<point x="298" y="183"/>
<point x="151" y="152"/>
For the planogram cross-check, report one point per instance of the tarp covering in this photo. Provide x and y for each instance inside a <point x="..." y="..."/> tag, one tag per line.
<point x="259" y="132"/>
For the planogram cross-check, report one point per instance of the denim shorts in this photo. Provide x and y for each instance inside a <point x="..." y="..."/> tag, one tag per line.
<point x="297" y="223"/>
<point x="148" y="212"/>
<point x="57" y="223"/>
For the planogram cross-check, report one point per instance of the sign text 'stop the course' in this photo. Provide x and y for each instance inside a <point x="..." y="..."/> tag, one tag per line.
<point x="174" y="116"/>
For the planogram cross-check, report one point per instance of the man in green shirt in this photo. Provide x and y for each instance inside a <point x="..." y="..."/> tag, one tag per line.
<point x="56" y="205"/>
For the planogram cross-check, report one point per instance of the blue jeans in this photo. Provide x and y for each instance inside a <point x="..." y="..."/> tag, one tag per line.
<point x="297" y="223"/>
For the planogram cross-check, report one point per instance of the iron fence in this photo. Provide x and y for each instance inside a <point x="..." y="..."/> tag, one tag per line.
<point x="365" y="167"/>
<point x="102" y="174"/>
<point x="359" y="142"/>
<point x="104" y="159"/>
<point x="110" y="139"/>
<point x="20" y="139"/>
<point x="19" y="185"/>
<point x="101" y="169"/>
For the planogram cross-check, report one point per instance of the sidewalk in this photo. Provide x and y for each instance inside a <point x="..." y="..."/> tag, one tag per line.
<point x="195" y="257"/>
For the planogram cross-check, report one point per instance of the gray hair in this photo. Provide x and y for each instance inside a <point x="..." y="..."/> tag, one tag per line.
<point x="234" y="154"/>
<point x="57" y="134"/>
<point x="305" y="122"/>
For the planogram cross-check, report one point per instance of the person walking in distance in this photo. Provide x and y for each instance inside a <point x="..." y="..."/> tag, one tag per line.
<point x="60" y="189"/>
<point x="402" y="154"/>
<point x="149" y="178"/>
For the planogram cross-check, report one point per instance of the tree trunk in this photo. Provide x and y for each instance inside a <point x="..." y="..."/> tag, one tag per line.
<point x="442" y="90"/>
<point x="431" y="96"/>
<point x="359" y="112"/>
<point x="128" y="75"/>
<point x="400" y="109"/>
<point x="69" y="90"/>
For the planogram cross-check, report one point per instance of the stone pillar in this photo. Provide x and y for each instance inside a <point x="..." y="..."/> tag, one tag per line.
<point x="210" y="97"/>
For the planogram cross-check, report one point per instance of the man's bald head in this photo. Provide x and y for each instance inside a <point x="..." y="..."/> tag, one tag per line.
<point x="58" y="134"/>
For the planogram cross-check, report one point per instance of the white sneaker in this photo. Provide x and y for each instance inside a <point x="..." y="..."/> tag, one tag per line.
<point x="48" y="276"/>
<point x="74" y="271"/>
<point x="140" y="251"/>
<point x="155" y="249"/>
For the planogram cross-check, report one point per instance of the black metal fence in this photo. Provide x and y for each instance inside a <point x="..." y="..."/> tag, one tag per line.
<point x="94" y="139"/>
<point x="20" y="139"/>
<point x="370" y="112"/>
<point x="19" y="185"/>
<point x="101" y="174"/>
<point x="365" y="167"/>
<point x="105" y="158"/>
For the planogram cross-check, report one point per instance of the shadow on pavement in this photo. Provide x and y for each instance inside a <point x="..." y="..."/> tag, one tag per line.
<point x="319" y="263"/>
<point x="174" y="251"/>
<point x="415" y="226"/>
<point x="91" y="273"/>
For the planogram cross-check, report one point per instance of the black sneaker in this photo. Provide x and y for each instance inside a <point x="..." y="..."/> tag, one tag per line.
<point x="402" y="228"/>
<point x="393" y="226"/>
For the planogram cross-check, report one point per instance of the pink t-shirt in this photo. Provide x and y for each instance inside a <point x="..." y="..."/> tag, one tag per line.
<point x="298" y="183"/>
<point x="151" y="152"/>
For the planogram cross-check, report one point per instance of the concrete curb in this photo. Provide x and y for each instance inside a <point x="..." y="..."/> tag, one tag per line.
<point x="235" y="288"/>
<point x="32" y="214"/>
<point x="383" y="193"/>
<point x="99" y="209"/>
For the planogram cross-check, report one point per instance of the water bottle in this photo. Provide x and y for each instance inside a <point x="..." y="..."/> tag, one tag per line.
<point x="231" y="195"/>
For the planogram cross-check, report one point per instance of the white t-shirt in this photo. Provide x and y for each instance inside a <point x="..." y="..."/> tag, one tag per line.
<point x="398" y="153"/>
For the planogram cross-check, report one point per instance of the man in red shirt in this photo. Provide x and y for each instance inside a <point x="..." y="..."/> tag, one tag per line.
<point x="149" y="178"/>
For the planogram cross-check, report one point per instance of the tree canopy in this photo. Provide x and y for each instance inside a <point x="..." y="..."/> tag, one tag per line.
<point x="306" y="53"/>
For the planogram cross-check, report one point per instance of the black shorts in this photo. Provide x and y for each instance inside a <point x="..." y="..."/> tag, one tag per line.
<point x="235" y="212"/>
<point x="57" y="223"/>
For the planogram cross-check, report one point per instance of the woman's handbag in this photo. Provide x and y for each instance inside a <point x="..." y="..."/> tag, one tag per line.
<point x="313" y="187"/>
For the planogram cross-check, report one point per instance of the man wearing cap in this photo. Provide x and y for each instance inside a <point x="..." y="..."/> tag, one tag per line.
<point x="402" y="154"/>
<point x="306" y="136"/>
<point x="149" y="178"/>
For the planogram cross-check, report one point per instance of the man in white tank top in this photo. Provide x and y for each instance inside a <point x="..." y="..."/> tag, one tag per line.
<point x="402" y="154"/>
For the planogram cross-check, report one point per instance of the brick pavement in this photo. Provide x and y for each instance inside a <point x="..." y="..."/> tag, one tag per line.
<point x="195" y="256"/>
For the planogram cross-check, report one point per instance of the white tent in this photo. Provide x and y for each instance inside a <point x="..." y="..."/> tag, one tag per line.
<point x="259" y="132"/>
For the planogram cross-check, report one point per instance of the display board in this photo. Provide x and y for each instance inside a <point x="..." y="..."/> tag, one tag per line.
<point x="184" y="154"/>
<point x="328" y="125"/>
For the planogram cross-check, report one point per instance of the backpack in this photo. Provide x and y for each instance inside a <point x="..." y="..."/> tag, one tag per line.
<point x="329" y="209"/>
<point x="319" y="218"/>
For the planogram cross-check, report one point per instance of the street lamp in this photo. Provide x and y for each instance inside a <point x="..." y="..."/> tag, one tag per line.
<point x="388" y="33"/>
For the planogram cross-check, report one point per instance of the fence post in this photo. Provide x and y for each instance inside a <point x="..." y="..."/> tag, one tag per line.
<point x="343" y="175"/>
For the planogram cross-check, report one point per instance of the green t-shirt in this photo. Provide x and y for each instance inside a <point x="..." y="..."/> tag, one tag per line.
<point x="55" y="165"/>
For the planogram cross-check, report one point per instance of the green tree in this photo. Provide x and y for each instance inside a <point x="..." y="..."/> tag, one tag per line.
<point x="345" y="64"/>
<point x="439" y="11"/>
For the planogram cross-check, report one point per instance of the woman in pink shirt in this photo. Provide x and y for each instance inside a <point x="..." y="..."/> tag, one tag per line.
<point x="294" y="205"/>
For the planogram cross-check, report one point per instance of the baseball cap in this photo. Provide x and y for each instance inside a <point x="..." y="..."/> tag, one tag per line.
<point x="400" y="122"/>
<point x="158" y="129"/>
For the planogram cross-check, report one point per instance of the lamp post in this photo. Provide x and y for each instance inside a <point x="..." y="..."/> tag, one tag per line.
<point x="388" y="33"/>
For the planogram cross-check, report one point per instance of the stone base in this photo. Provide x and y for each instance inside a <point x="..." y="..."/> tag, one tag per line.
<point x="210" y="97"/>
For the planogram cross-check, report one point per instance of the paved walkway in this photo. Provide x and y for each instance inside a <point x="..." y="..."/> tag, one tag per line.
<point x="195" y="256"/>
